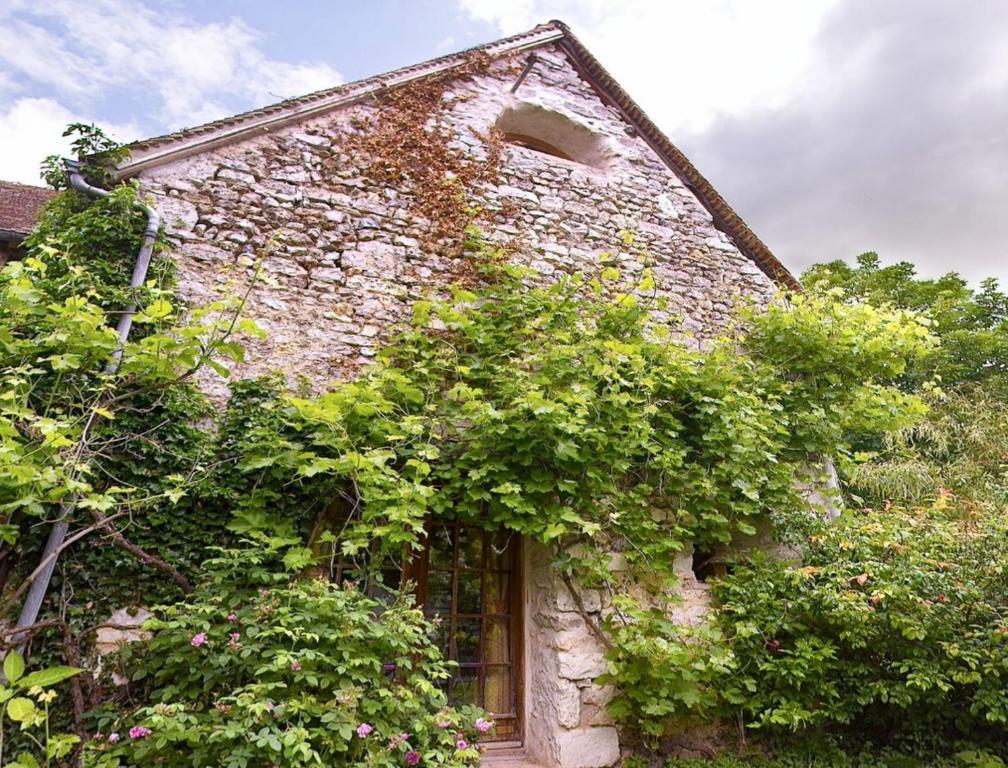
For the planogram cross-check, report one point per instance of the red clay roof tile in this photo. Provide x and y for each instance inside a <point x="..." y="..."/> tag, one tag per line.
<point x="19" y="208"/>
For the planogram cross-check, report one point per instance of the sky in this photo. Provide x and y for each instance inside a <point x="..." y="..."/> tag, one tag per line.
<point x="832" y="126"/>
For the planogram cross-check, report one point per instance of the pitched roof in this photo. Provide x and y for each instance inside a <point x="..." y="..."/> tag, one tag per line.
<point x="189" y="141"/>
<point x="19" y="208"/>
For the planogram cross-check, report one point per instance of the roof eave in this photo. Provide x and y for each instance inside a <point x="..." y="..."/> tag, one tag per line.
<point x="142" y="158"/>
<point x="724" y="216"/>
<point x="167" y="149"/>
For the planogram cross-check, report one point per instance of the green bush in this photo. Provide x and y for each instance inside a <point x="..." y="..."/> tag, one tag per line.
<point x="896" y="621"/>
<point x="829" y="756"/>
<point x="257" y="669"/>
<point x="895" y="627"/>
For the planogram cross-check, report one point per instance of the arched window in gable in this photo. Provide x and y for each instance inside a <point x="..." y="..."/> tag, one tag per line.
<point x="549" y="132"/>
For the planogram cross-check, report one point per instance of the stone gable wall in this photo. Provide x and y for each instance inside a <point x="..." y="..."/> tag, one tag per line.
<point x="346" y="257"/>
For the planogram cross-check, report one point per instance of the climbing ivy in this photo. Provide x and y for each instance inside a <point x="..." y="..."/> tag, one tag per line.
<point x="563" y="411"/>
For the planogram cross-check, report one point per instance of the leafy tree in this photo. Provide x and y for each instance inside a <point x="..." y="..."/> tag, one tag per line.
<point x="972" y="324"/>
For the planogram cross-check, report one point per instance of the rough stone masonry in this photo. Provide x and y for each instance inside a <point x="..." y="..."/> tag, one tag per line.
<point x="345" y="257"/>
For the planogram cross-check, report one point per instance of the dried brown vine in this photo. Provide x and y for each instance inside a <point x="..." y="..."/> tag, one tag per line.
<point x="408" y="144"/>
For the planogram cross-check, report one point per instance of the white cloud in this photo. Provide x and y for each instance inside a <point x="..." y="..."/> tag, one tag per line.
<point x="191" y="72"/>
<point x="32" y="128"/>
<point x="685" y="61"/>
<point x="832" y="126"/>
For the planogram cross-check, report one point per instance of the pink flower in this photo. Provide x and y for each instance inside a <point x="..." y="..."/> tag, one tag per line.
<point x="233" y="642"/>
<point x="462" y="744"/>
<point x="198" y="639"/>
<point x="444" y="724"/>
<point x="138" y="732"/>
<point x="232" y="618"/>
<point x="295" y="666"/>
<point x="482" y="725"/>
<point x="113" y="737"/>
<point x="363" y="730"/>
<point x="412" y="757"/>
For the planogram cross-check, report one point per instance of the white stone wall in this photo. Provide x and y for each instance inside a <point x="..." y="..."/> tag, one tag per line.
<point x="345" y="256"/>
<point x="345" y="259"/>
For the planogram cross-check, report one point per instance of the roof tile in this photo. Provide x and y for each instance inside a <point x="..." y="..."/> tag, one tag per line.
<point x="19" y="208"/>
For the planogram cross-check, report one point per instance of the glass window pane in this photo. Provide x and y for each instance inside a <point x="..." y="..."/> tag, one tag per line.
<point x="440" y="636"/>
<point x="385" y="583"/>
<point x="497" y="642"/>
<point x="439" y="586"/>
<point x="470" y="589"/>
<point x="503" y="550"/>
<point x="442" y="536"/>
<point x="463" y="687"/>
<point x="467" y="637"/>
<point x="470" y="548"/>
<point x="497" y="690"/>
<point x="498" y="592"/>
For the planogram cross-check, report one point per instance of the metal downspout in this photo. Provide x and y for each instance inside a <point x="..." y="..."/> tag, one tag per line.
<point x="57" y="534"/>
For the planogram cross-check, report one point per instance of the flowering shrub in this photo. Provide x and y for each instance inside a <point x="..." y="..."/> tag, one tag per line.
<point x="897" y="622"/>
<point x="258" y="669"/>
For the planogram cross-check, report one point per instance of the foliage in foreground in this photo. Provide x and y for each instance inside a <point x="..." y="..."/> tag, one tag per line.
<point x="560" y="413"/>
<point x="894" y="627"/>
<point x="826" y="755"/>
<point x="895" y="624"/>
<point x="896" y="618"/>
<point x="260" y="667"/>
<point x="25" y="699"/>
<point x="563" y="412"/>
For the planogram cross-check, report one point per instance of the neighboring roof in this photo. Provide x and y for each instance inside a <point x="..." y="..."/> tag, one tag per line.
<point x="189" y="141"/>
<point x="19" y="208"/>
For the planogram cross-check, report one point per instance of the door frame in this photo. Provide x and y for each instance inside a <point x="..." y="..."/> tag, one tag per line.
<point x="417" y="571"/>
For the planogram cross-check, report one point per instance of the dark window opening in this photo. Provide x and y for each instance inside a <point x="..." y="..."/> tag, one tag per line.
<point x="536" y="145"/>
<point x="709" y="564"/>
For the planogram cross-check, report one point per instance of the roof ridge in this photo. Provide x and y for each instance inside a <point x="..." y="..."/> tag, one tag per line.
<point x="227" y="130"/>
<point x="725" y="217"/>
<point x="337" y="90"/>
<point x="5" y="183"/>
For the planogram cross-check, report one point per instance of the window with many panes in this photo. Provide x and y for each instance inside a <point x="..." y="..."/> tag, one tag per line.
<point x="470" y="580"/>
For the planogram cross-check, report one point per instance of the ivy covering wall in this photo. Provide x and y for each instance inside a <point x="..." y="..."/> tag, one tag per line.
<point x="563" y="412"/>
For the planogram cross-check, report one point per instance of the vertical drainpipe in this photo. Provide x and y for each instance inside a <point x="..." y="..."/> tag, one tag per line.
<point x="57" y="534"/>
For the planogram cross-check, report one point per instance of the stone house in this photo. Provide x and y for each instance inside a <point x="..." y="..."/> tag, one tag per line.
<point x="574" y="161"/>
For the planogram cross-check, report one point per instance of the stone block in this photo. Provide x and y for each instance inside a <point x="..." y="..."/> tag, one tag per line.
<point x="179" y="215"/>
<point x="588" y="747"/>
<point x="589" y="597"/>
<point x="583" y="661"/>
<point x="230" y="174"/>
<point x="568" y="704"/>
<point x="594" y="699"/>
<point x="120" y="628"/>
